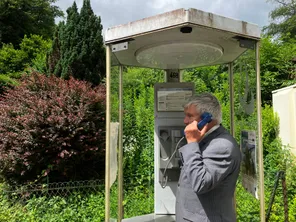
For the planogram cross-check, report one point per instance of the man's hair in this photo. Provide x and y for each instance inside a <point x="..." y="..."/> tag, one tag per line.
<point x="206" y="102"/>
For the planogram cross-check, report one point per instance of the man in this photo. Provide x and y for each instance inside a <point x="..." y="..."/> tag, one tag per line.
<point x="210" y="166"/>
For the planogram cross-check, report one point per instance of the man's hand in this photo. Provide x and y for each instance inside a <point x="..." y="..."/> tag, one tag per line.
<point x="193" y="134"/>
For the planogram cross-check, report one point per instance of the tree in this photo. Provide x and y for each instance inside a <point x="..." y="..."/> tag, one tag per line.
<point x="283" y="19"/>
<point x="277" y="68"/>
<point x="78" y="49"/>
<point x="23" y="17"/>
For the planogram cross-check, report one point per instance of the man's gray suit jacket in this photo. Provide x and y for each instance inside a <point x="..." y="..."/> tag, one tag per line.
<point x="208" y="178"/>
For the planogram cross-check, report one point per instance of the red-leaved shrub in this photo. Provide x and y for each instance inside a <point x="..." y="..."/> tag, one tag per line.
<point x="52" y="128"/>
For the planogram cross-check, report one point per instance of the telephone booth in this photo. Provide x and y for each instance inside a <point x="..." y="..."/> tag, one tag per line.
<point x="175" y="41"/>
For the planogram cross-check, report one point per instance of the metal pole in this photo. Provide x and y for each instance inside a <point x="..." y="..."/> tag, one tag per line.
<point x="231" y="92"/>
<point x="120" y="148"/>
<point x="108" y="118"/>
<point x="260" y="145"/>
<point x="285" y="198"/>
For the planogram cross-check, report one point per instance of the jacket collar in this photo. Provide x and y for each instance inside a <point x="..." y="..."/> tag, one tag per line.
<point x="212" y="135"/>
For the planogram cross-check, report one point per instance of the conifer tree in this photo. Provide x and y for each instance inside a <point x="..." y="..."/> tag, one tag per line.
<point x="78" y="49"/>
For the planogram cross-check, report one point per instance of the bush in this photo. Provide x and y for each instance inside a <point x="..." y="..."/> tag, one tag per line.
<point x="276" y="158"/>
<point x="32" y="49"/>
<point x="6" y="82"/>
<point x="76" y="207"/>
<point x="138" y="142"/>
<point x="52" y="127"/>
<point x="138" y="123"/>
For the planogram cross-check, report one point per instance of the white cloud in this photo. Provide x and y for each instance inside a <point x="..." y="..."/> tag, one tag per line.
<point x="115" y="12"/>
<point x="163" y="4"/>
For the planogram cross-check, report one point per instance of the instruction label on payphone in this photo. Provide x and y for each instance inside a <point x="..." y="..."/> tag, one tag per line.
<point x="172" y="99"/>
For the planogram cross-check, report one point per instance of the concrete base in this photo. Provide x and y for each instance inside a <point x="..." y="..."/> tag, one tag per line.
<point x="151" y="218"/>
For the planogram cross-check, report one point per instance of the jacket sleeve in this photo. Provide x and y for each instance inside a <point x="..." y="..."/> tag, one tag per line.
<point x="204" y="172"/>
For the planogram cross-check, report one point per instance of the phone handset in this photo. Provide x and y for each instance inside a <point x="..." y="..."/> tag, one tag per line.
<point x="205" y="118"/>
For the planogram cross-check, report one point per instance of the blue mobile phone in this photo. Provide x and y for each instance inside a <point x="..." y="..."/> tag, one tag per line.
<point x="205" y="118"/>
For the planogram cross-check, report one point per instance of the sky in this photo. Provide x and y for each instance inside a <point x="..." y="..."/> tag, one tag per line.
<point x="116" y="12"/>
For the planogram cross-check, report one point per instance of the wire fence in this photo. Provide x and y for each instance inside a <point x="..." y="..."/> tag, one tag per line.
<point x="61" y="189"/>
<point x="73" y="201"/>
<point x="65" y="189"/>
<point x="88" y="197"/>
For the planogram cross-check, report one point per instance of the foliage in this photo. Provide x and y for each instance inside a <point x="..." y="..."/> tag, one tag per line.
<point x="138" y="125"/>
<point x="35" y="48"/>
<point x="283" y="19"/>
<point x="277" y="68"/>
<point x="24" y="17"/>
<point x="30" y="53"/>
<point x="134" y="77"/>
<point x="77" y="48"/>
<point x="6" y="82"/>
<point x="52" y="127"/>
<point x="139" y="202"/>
<point x="247" y="208"/>
<point x="215" y="80"/>
<point x="76" y="207"/>
<point x="138" y="122"/>
<point x="15" y="62"/>
<point x="209" y="79"/>
<point x="53" y="131"/>
<point x="275" y="157"/>
<point x="11" y="60"/>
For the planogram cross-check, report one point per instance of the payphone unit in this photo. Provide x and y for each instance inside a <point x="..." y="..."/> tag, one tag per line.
<point x="169" y="99"/>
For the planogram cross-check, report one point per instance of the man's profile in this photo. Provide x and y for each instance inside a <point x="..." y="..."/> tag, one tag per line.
<point x="210" y="166"/>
